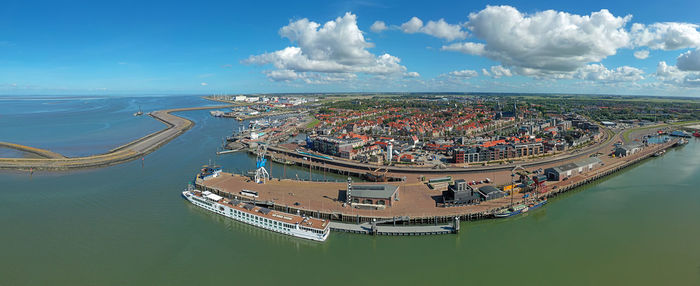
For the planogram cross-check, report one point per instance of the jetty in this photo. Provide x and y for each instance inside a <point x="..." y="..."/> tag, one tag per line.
<point x="175" y="126"/>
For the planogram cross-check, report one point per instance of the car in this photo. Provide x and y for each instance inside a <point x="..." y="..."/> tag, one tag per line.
<point x="565" y="179"/>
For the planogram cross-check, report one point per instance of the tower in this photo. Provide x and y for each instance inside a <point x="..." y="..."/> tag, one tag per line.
<point x="389" y="151"/>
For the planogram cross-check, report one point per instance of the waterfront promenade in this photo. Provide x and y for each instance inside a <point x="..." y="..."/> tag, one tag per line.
<point x="175" y="126"/>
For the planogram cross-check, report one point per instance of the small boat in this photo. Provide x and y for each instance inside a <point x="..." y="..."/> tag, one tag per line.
<point x="139" y="113"/>
<point x="519" y="209"/>
<point x="516" y="210"/>
<point x="657" y="154"/>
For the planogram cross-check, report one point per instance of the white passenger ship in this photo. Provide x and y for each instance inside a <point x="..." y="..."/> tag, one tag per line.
<point x="289" y="224"/>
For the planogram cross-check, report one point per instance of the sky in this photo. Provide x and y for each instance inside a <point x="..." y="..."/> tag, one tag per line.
<point x="234" y="47"/>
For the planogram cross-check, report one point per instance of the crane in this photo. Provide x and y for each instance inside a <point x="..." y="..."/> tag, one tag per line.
<point x="261" y="174"/>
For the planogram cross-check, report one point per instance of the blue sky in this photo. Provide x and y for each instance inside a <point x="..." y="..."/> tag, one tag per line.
<point x="202" y="47"/>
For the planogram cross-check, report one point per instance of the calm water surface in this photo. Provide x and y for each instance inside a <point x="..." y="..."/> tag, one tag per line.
<point x="127" y="225"/>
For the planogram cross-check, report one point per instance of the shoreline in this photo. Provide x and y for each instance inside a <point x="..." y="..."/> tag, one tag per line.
<point x="175" y="126"/>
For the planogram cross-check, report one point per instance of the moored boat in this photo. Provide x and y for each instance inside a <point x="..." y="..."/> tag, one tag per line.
<point x="522" y="208"/>
<point x="289" y="224"/>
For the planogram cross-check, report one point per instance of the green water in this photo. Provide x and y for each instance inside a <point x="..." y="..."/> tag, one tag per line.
<point x="128" y="225"/>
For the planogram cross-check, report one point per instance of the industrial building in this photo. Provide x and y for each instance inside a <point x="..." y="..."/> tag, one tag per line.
<point x="460" y="193"/>
<point x="490" y="192"/>
<point x="571" y="169"/>
<point x="375" y="195"/>
<point x="622" y="151"/>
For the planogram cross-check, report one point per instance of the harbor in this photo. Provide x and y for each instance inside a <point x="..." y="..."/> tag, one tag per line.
<point x="97" y="223"/>
<point x="417" y="206"/>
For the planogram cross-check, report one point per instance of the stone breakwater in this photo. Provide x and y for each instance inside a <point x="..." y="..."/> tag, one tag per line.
<point x="175" y="126"/>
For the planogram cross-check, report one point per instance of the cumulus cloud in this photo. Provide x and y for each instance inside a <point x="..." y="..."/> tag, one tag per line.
<point x="666" y="36"/>
<point x="378" y="27"/>
<point x="439" y="29"/>
<point x="689" y="61"/>
<point x="499" y="71"/>
<point x="642" y="54"/>
<point x="204" y="84"/>
<point x="412" y="74"/>
<point x="548" y="41"/>
<point x="463" y="73"/>
<point x="599" y="73"/>
<point x="674" y="76"/>
<point x="337" y="46"/>
<point x="466" y="48"/>
<point x="412" y="26"/>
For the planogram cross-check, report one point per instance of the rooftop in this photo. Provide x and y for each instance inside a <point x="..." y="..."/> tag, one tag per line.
<point x="378" y="191"/>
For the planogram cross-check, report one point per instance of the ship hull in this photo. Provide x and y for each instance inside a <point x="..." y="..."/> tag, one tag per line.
<point x="226" y="211"/>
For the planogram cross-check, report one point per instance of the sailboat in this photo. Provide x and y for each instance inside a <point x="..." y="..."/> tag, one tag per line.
<point x="139" y="113"/>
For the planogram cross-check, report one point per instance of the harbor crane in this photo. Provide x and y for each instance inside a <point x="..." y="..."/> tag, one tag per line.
<point x="261" y="174"/>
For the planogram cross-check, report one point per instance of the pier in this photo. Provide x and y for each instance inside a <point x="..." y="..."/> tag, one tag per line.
<point x="175" y="126"/>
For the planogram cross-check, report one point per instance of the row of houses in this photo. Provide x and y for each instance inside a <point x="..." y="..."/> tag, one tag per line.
<point x="497" y="152"/>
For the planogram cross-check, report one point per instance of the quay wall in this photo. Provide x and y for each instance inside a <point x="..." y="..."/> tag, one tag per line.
<point x="446" y="219"/>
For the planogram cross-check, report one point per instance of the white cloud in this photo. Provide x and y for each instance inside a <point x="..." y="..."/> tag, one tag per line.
<point x="499" y="71"/>
<point x="666" y="36"/>
<point x="544" y="42"/>
<point x="439" y="29"/>
<point x="412" y="26"/>
<point x="336" y="47"/>
<point x="599" y="73"/>
<point x="485" y="72"/>
<point x="642" y="54"/>
<point x="689" y="61"/>
<point x="676" y="77"/>
<point x="204" y="84"/>
<point x="466" y="48"/>
<point x="464" y="73"/>
<point x="378" y="27"/>
<point x="282" y="75"/>
<point x="412" y="74"/>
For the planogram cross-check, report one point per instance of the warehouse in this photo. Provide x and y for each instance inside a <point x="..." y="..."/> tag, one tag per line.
<point x="490" y="192"/>
<point x="377" y="195"/>
<point x="571" y="169"/>
<point x="622" y="151"/>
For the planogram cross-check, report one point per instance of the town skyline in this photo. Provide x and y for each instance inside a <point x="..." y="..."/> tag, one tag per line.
<point x="542" y="47"/>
